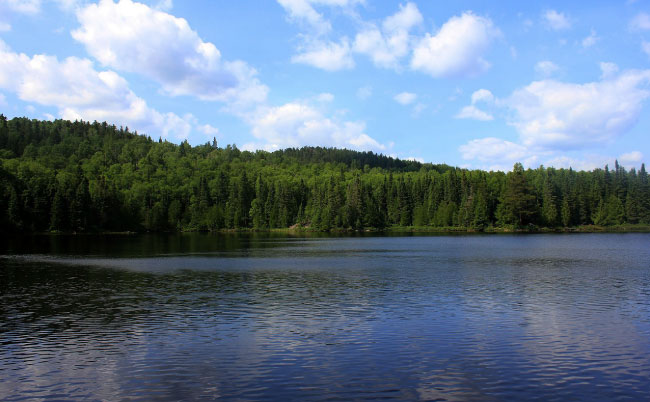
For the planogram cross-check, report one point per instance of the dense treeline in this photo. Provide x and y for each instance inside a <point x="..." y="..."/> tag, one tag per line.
<point x="79" y="176"/>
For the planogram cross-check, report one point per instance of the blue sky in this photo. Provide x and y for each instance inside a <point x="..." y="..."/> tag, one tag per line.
<point x="472" y="84"/>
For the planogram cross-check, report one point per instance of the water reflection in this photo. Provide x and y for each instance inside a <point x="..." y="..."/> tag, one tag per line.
<point x="198" y="317"/>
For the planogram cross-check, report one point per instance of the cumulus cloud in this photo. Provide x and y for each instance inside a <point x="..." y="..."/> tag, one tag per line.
<point x="297" y="124"/>
<point x="304" y="12"/>
<point x="80" y="92"/>
<point x="407" y="17"/>
<point x="482" y="95"/>
<point x="474" y="113"/>
<point x="164" y="5"/>
<point x="386" y="46"/>
<point x="364" y="93"/>
<point x="608" y="70"/>
<point x="493" y="150"/>
<point x="134" y="37"/>
<point x="208" y="130"/>
<point x="31" y="7"/>
<point x="554" y="119"/>
<point x="640" y="22"/>
<point x="325" y="97"/>
<point x="22" y="6"/>
<point x="590" y="40"/>
<point x="562" y="115"/>
<point x="314" y="49"/>
<point x="546" y="68"/>
<point x="498" y="154"/>
<point x="418" y="109"/>
<point x="457" y="49"/>
<point x="328" y="56"/>
<point x="405" y="98"/>
<point x="594" y="161"/>
<point x="556" y="21"/>
<point x="5" y="27"/>
<point x="645" y="46"/>
<point x="631" y="158"/>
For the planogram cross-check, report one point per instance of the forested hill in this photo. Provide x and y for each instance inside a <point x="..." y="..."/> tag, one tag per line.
<point x="79" y="176"/>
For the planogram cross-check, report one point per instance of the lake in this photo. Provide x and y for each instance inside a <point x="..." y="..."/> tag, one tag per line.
<point x="280" y="317"/>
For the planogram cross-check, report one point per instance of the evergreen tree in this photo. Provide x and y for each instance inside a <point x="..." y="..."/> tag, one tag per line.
<point x="481" y="218"/>
<point x="566" y="212"/>
<point x="59" y="213"/>
<point x="549" y="208"/>
<point x="79" y="176"/>
<point x="518" y="200"/>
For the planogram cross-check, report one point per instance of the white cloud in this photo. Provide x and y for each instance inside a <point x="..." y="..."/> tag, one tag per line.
<point x="208" y="130"/>
<point x="387" y="46"/>
<point x="474" y="113"/>
<point x="23" y="6"/>
<point x="556" y="21"/>
<point x="405" y="98"/>
<point x="590" y="40"/>
<point x="557" y="115"/>
<point x="546" y="68"/>
<point x="5" y="27"/>
<point x="608" y="70"/>
<point x="492" y="149"/>
<point x="3" y="100"/>
<point x="554" y="119"/>
<point x="32" y="7"/>
<point x="645" y="46"/>
<point x="165" y="5"/>
<point x="482" y="95"/>
<point x="641" y="22"/>
<point x="498" y="154"/>
<point x="631" y="158"/>
<point x="297" y="124"/>
<point x="594" y="161"/>
<point x="364" y="93"/>
<point x="406" y="18"/>
<point x="303" y="11"/>
<point x="457" y="49"/>
<point x="328" y="56"/>
<point x="80" y="92"/>
<point x="325" y="97"/>
<point x="69" y="5"/>
<point x="384" y="52"/>
<point x="418" y="109"/>
<point x="589" y="162"/>
<point x="133" y="37"/>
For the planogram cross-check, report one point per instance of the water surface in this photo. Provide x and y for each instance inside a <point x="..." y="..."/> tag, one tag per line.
<point x="249" y="317"/>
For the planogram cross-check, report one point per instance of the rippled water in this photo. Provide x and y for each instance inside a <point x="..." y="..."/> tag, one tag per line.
<point x="200" y="317"/>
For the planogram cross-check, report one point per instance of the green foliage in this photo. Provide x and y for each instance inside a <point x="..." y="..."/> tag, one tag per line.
<point x="80" y="176"/>
<point x="518" y="202"/>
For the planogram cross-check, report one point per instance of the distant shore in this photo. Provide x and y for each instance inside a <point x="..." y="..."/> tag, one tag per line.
<point x="388" y="230"/>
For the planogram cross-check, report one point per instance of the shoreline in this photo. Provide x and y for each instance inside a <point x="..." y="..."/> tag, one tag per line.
<point x="636" y="228"/>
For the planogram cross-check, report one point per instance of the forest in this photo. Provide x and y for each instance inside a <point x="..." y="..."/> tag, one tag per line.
<point x="79" y="176"/>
